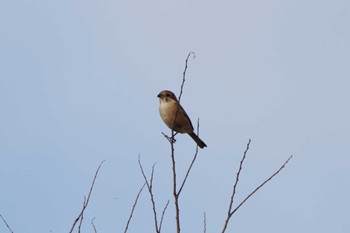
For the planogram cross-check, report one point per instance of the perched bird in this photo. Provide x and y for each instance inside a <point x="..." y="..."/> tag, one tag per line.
<point x="168" y="108"/>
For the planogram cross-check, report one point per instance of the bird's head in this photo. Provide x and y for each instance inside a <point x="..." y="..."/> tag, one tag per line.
<point x="166" y="96"/>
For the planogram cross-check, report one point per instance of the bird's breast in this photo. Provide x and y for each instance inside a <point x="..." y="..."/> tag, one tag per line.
<point x="167" y="112"/>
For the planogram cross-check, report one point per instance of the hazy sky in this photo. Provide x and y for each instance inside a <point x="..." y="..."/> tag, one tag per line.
<point x="78" y="85"/>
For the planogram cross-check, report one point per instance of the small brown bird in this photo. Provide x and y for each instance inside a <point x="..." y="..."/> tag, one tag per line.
<point x="167" y="109"/>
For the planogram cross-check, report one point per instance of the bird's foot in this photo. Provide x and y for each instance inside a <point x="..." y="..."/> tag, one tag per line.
<point x="170" y="139"/>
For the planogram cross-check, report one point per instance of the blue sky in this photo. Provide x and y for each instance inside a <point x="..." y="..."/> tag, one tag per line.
<point x="78" y="85"/>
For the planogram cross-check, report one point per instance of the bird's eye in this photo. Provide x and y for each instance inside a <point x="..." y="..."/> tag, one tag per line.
<point x="167" y="94"/>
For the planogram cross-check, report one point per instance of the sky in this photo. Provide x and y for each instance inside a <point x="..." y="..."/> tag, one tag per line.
<point x="79" y="83"/>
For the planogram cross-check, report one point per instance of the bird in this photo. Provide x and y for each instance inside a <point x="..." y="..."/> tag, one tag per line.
<point x="168" y="107"/>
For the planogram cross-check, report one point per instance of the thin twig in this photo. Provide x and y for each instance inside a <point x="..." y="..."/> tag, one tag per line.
<point x="239" y="173"/>
<point x="188" y="172"/>
<point x="133" y="208"/>
<point x="190" y="167"/>
<point x="176" y="196"/>
<point x="152" y="175"/>
<point x="184" y="73"/>
<point x="172" y="141"/>
<point x="240" y="169"/>
<point x="175" y="192"/>
<point x="82" y="216"/>
<point x="205" y="222"/>
<point x="262" y="184"/>
<point x="162" y="217"/>
<point x="235" y="186"/>
<point x="93" y="225"/>
<point x="87" y="199"/>
<point x="149" y="186"/>
<point x="231" y="212"/>
<point x="7" y="225"/>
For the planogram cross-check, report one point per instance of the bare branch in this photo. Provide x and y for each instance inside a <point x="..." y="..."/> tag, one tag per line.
<point x="229" y="214"/>
<point x="86" y="203"/>
<point x="162" y="217"/>
<point x="151" y="180"/>
<point x="175" y="194"/>
<point x="262" y="184"/>
<point x="239" y="172"/>
<point x="172" y="141"/>
<point x="149" y="186"/>
<point x="230" y="211"/>
<point x="82" y="216"/>
<point x="190" y="167"/>
<point x="184" y="73"/>
<point x="205" y="222"/>
<point x="93" y="225"/>
<point x="7" y="225"/>
<point x="133" y="208"/>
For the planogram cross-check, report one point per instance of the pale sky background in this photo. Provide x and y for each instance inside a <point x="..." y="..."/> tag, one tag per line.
<point x="78" y="85"/>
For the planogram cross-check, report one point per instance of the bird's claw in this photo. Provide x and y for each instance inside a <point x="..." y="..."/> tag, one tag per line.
<point x="170" y="139"/>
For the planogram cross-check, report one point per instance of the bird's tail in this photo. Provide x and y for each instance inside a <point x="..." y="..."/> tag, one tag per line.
<point x="199" y="142"/>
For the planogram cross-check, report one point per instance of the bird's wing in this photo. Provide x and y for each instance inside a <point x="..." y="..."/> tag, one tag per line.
<point x="185" y="114"/>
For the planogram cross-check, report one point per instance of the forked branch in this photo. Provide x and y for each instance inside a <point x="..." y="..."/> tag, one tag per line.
<point x="176" y="193"/>
<point x="86" y="201"/>
<point x="262" y="184"/>
<point x="149" y="184"/>
<point x="231" y="211"/>
<point x="191" y="165"/>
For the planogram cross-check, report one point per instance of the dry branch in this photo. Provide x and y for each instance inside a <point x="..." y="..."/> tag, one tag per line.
<point x="86" y="201"/>
<point x="235" y="186"/>
<point x="93" y="225"/>
<point x="262" y="184"/>
<point x="230" y="212"/>
<point x="184" y="73"/>
<point x="7" y="225"/>
<point x="133" y="208"/>
<point x="150" y="186"/>
<point x="162" y="217"/>
<point x="191" y="164"/>
<point x="176" y="192"/>
<point x="204" y="222"/>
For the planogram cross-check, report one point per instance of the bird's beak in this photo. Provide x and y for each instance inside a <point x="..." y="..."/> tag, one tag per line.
<point x="159" y="95"/>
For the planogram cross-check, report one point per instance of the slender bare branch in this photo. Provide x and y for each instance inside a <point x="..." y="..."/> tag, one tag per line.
<point x="7" y="225"/>
<point x="230" y="211"/>
<point x="82" y="216"/>
<point x="172" y="141"/>
<point x="152" y="175"/>
<point x="93" y="225"/>
<point x="162" y="217"/>
<point x="176" y="196"/>
<point x="133" y="208"/>
<point x="234" y="187"/>
<point x="184" y="73"/>
<point x="190" y="167"/>
<point x="262" y="184"/>
<point x="188" y="172"/>
<point x="150" y="191"/>
<point x="204" y="222"/>
<point x="86" y="203"/>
